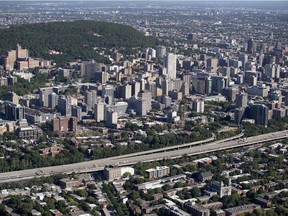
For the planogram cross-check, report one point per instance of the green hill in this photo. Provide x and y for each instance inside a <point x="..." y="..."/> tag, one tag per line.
<point x="74" y="39"/>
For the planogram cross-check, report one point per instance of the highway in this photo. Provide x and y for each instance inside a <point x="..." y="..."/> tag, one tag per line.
<point x="129" y="159"/>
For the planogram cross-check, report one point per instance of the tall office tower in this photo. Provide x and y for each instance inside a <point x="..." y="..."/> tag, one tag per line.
<point x="230" y="93"/>
<point x="160" y="51"/>
<point x="149" y="67"/>
<point x="244" y="59"/>
<point x="251" y="46"/>
<point x="272" y="70"/>
<point x="142" y="84"/>
<point x="263" y="48"/>
<point x="99" y="112"/>
<point x="150" y="53"/>
<point x="139" y="105"/>
<point x="90" y="98"/>
<point x="167" y="85"/>
<point x="64" y="106"/>
<point x="187" y="78"/>
<point x="218" y="83"/>
<point x="212" y="65"/>
<point x="185" y="89"/>
<point x="235" y="63"/>
<point x="177" y="84"/>
<point x="89" y="68"/>
<point x="14" y="111"/>
<point x="259" y="113"/>
<point x="101" y="77"/>
<point x="202" y="84"/>
<point x="76" y="111"/>
<point x="250" y="78"/>
<point x="170" y="64"/>
<point x="52" y="100"/>
<point x="166" y="100"/>
<point x="12" y="97"/>
<point x="111" y="118"/>
<point x="108" y="90"/>
<point x="151" y="86"/>
<point x="198" y="105"/>
<point x="43" y="96"/>
<point x="147" y="96"/>
<point x="120" y="107"/>
<point x="125" y="91"/>
<point x="239" y="115"/>
<point x="241" y="100"/>
<point x="136" y="86"/>
<point x="260" y="59"/>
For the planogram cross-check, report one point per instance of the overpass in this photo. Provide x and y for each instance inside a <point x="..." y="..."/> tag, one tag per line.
<point x="146" y="156"/>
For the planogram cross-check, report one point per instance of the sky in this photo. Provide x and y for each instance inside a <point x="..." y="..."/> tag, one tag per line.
<point x="154" y="0"/>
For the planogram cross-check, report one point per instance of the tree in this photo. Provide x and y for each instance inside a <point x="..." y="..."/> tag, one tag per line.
<point x="195" y="192"/>
<point x="82" y="193"/>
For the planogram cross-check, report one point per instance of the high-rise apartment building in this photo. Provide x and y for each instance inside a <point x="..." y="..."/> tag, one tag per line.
<point x="160" y="51"/>
<point x="170" y="63"/>
<point x="241" y="100"/>
<point x="99" y="111"/>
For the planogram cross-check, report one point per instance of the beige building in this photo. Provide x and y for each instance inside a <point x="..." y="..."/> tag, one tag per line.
<point x="21" y="53"/>
<point x="117" y="172"/>
<point x="158" y="172"/>
<point x="10" y="60"/>
<point x="22" y="59"/>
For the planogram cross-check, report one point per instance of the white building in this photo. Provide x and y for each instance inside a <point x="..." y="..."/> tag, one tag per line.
<point x="170" y="65"/>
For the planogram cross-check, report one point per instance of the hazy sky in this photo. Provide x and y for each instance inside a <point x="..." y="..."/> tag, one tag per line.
<point x="151" y="0"/>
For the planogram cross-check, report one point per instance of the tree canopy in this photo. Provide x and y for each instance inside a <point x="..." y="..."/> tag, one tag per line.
<point x="73" y="39"/>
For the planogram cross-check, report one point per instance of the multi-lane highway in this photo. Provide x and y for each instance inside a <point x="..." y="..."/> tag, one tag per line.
<point x="159" y="154"/>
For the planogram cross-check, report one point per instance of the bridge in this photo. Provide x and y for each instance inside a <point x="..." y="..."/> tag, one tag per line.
<point x="195" y="148"/>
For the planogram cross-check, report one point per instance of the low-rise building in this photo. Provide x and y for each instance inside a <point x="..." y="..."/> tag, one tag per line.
<point x="240" y="210"/>
<point x="69" y="183"/>
<point x="52" y="151"/>
<point x="29" y="132"/>
<point x="197" y="210"/>
<point x="116" y="172"/>
<point x="158" y="172"/>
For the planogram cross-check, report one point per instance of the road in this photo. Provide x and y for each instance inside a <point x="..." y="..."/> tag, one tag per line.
<point x="129" y="159"/>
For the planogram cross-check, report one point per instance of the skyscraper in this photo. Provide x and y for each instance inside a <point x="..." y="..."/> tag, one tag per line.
<point x="212" y="65"/>
<point x="12" y="97"/>
<point x="99" y="112"/>
<point x="111" y="118"/>
<point x="170" y="65"/>
<point x="244" y="59"/>
<point x="52" y="100"/>
<point x="14" y="111"/>
<point x="43" y="96"/>
<point x="259" y="113"/>
<point x="251" y="46"/>
<point x="160" y="51"/>
<point x="64" y="106"/>
<point x="90" y="98"/>
<point x="147" y="96"/>
<point x="241" y="100"/>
